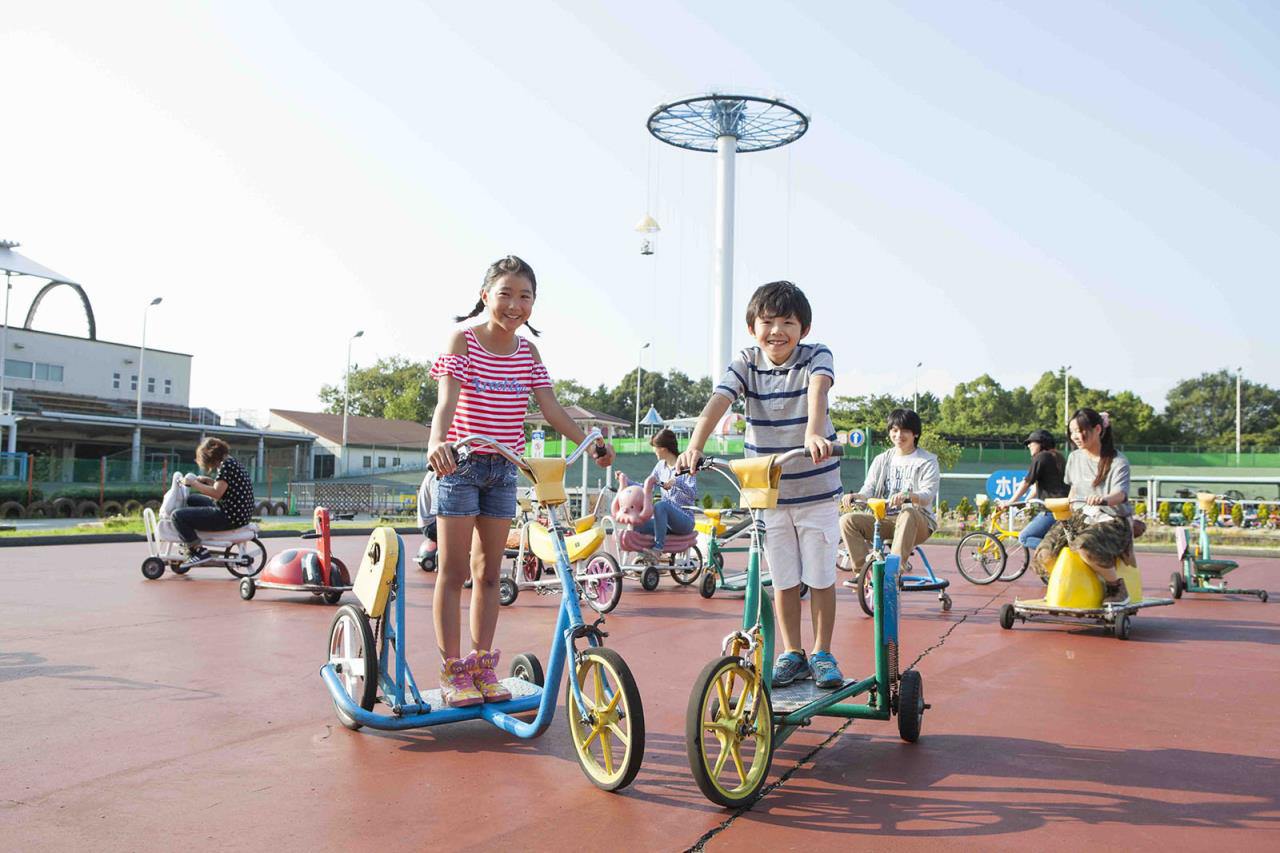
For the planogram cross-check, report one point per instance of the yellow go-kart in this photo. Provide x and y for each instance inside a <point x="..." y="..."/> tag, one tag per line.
<point x="1075" y="592"/>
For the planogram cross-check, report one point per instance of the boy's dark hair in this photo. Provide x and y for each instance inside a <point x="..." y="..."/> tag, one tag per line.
<point x="908" y="420"/>
<point x="510" y="265"/>
<point x="780" y="299"/>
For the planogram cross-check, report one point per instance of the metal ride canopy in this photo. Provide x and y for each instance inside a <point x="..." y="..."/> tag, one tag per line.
<point x="726" y="124"/>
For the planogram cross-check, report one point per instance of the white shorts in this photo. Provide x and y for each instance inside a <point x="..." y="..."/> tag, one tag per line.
<point x="800" y="544"/>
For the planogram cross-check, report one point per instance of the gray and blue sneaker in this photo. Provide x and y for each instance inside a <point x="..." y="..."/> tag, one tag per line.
<point x="826" y="672"/>
<point x="789" y="667"/>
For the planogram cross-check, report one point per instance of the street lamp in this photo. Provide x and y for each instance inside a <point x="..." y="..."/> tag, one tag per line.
<point x="639" y="370"/>
<point x="1066" y="398"/>
<point x="142" y="377"/>
<point x="346" y="398"/>
<point x="1239" y="373"/>
<point x="915" y="397"/>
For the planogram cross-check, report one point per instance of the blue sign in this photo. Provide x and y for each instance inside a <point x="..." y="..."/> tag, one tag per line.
<point x="1002" y="484"/>
<point x="857" y="438"/>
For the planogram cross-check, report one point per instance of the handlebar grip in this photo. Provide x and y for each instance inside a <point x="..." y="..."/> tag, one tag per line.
<point x="599" y="450"/>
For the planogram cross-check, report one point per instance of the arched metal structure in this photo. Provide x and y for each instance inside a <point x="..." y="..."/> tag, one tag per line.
<point x="727" y="125"/>
<point x="84" y="300"/>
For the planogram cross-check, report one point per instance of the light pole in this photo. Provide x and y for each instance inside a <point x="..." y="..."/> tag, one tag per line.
<point x="142" y="377"/>
<point x="1066" y="398"/>
<point x="639" y="370"/>
<point x="1239" y="373"/>
<point x="915" y="397"/>
<point x="346" y="398"/>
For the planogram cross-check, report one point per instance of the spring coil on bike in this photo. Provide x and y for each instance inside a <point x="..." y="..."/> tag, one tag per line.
<point x="892" y="648"/>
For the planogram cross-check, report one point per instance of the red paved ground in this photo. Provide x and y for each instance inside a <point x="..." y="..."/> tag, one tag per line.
<point x="156" y="715"/>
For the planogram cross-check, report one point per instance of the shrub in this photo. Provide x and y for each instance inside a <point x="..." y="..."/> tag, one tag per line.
<point x="943" y="508"/>
<point x="1188" y="511"/>
<point x="1264" y="512"/>
<point x="707" y="501"/>
<point x="726" y="502"/>
<point x="18" y="492"/>
<point x="1237" y="515"/>
<point x="1163" y="512"/>
<point x="140" y="493"/>
<point x="963" y="508"/>
<point x="1140" y="508"/>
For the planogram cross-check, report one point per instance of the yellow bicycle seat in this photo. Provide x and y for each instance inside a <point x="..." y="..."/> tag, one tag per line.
<point x="711" y="524"/>
<point x="578" y="546"/>
<point x="1073" y="584"/>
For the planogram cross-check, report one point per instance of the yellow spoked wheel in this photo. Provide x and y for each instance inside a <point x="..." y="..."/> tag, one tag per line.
<point x="609" y="733"/>
<point x="729" y="732"/>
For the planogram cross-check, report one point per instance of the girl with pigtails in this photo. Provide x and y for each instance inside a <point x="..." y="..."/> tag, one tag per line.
<point x="486" y="376"/>
<point x="1100" y="528"/>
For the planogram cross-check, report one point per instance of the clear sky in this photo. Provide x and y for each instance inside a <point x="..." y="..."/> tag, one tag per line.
<point x="986" y="187"/>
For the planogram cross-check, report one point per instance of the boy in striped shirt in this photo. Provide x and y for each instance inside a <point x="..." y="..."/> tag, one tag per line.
<point x="785" y="385"/>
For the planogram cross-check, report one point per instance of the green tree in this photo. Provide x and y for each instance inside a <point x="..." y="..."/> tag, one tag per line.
<point x="948" y="452"/>
<point x="393" y="387"/>
<point x="1203" y="410"/>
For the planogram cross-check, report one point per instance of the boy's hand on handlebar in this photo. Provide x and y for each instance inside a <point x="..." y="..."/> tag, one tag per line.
<point x="819" y="448"/>
<point x="689" y="460"/>
<point x="441" y="459"/>
<point x="851" y="499"/>
<point x="603" y="454"/>
<point x="899" y="499"/>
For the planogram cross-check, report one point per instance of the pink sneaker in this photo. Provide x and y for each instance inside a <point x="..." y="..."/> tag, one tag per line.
<point x="456" y="684"/>
<point x="486" y="680"/>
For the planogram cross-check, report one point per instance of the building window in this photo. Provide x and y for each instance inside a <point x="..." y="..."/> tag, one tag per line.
<point x="151" y="385"/>
<point x="48" y="372"/>
<point x="168" y="386"/>
<point x="115" y="380"/>
<point x="133" y="382"/>
<point x="395" y="462"/>
<point x="18" y="369"/>
<point x="382" y="462"/>
<point x="368" y="462"/>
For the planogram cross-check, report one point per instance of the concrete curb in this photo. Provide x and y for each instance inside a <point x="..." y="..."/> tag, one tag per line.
<point x="104" y="538"/>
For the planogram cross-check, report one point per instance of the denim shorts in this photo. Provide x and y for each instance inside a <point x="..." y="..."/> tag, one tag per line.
<point x="484" y="484"/>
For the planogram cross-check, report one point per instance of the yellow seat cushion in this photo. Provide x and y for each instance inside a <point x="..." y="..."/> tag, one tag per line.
<point x="758" y="479"/>
<point x="579" y="546"/>
<point x="582" y="525"/>
<point x="1073" y="584"/>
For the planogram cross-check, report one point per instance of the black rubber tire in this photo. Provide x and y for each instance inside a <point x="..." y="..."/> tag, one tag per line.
<point x="110" y="508"/>
<point x="329" y="597"/>
<point x="63" y="507"/>
<point x="1014" y="567"/>
<point x="614" y="595"/>
<point x="946" y="603"/>
<point x="532" y="568"/>
<point x="366" y="692"/>
<point x="1006" y="616"/>
<point x="981" y="558"/>
<point x="649" y="579"/>
<point x="709" y="582"/>
<point x="154" y="506"/>
<point x="280" y="508"/>
<point x="253" y="548"/>
<point x="508" y="591"/>
<point x="702" y="698"/>
<point x="527" y="667"/>
<point x="626" y="686"/>
<point x="264" y="509"/>
<point x="1262" y="596"/>
<point x="1123" y="627"/>
<point x="180" y="569"/>
<point x="12" y="509"/>
<point x="910" y="705"/>
<point x="691" y="568"/>
<point x="866" y="599"/>
<point x="88" y="509"/>
<point x="426" y="562"/>
<point x="1177" y="585"/>
<point x="39" y="509"/>
<point x="152" y="568"/>
<point x="247" y="588"/>
<point x="131" y="507"/>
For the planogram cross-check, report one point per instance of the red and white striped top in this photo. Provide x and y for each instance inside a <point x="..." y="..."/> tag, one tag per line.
<point x="495" y="391"/>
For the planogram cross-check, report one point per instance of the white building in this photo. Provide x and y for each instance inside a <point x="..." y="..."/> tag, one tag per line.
<point x="374" y="445"/>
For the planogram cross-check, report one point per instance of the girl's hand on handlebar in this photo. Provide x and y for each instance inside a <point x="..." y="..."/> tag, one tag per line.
<point x="689" y="460"/>
<point x="441" y="459"/>
<point x="819" y="448"/>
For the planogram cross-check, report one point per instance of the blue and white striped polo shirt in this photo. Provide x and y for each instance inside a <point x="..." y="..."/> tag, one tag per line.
<point x="777" y="411"/>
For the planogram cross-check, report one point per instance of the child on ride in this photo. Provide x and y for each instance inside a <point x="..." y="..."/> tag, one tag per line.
<point x="785" y="384"/>
<point x="669" y="513"/>
<point x="485" y="381"/>
<point x="1100" y="529"/>
<point x="902" y="474"/>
